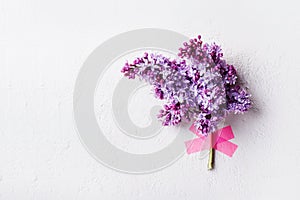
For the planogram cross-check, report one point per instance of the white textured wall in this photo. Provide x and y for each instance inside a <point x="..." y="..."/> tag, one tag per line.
<point x="42" y="47"/>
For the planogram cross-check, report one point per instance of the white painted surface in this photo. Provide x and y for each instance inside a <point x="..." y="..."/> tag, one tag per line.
<point x="42" y="47"/>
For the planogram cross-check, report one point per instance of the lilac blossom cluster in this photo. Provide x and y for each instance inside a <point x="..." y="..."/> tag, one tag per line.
<point x="198" y="86"/>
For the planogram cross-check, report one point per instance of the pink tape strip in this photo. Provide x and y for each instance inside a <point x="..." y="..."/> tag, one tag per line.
<point x="218" y="140"/>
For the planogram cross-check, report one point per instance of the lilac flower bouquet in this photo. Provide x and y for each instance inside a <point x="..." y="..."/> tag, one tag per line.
<point x="199" y="86"/>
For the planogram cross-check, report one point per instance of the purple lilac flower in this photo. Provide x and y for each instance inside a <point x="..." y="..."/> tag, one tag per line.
<point x="198" y="86"/>
<point x="238" y="100"/>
